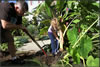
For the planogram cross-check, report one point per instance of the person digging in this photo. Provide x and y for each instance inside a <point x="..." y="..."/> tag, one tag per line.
<point x="10" y="19"/>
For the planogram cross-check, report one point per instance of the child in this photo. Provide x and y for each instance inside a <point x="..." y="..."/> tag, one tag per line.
<point x="53" y="31"/>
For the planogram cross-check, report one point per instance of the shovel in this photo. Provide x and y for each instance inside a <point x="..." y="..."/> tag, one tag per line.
<point x="35" y="42"/>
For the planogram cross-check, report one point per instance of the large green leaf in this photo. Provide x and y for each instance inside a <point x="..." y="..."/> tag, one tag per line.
<point x="39" y="8"/>
<point x="83" y="26"/>
<point x="76" y="56"/>
<point x="76" y="21"/>
<point x="70" y="4"/>
<point x="48" y="10"/>
<point x="96" y="4"/>
<point x="48" y="2"/>
<point x="46" y="21"/>
<point x="72" y="35"/>
<point x="43" y="30"/>
<point x="91" y="62"/>
<point x="60" y="4"/>
<point x="85" y="46"/>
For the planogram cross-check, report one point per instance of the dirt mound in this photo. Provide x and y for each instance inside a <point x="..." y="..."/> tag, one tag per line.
<point x="31" y="58"/>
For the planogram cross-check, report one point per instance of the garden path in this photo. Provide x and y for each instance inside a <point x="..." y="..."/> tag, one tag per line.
<point x="31" y="46"/>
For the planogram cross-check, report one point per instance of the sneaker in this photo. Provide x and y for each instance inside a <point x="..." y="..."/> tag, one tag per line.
<point x="18" y="61"/>
<point x="58" y="51"/>
<point x="54" y="54"/>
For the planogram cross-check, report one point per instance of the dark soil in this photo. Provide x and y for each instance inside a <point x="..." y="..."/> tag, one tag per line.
<point x="29" y="57"/>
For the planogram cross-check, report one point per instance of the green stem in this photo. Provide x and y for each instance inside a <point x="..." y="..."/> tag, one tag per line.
<point x="62" y="63"/>
<point x="83" y="61"/>
<point x="66" y="55"/>
<point x="84" y="33"/>
<point x="95" y="36"/>
<point x="68" y="26"/>
<point x="70" y="65"/>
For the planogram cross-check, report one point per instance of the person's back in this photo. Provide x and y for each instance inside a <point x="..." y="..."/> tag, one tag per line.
<point x="4" y="7"/>
<point x="4" y="14"/>
<point x="10" y="19"/>
<point x="8" y="13"/>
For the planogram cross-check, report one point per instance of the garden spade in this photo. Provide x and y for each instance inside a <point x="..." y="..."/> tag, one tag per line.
<point x="37" y="45"/>
<point x="35" y="42"/>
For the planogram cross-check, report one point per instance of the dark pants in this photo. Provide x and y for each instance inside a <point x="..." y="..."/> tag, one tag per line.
<point x="54" y="43"/>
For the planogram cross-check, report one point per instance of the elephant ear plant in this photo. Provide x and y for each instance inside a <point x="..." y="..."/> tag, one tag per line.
<point x="81" y="41"/>
<point x="78" y="20"/>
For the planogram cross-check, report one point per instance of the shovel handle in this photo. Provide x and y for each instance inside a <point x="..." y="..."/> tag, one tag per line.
<point x="35" y="42"/>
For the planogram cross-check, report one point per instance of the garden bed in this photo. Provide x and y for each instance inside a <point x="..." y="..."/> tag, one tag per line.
<point x="31" y="59"/>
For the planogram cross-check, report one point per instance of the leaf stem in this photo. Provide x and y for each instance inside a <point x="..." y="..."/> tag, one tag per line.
<point x="68" y="26"/>
<point x="84" y="33"/>
<point x="83" y="61"/>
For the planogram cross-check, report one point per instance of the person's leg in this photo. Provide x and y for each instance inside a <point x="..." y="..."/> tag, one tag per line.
<point x="57" y="45"/>
<point x="10" y="40"/>
<point x="11" y="47"/>
<point x="53" y="44"/>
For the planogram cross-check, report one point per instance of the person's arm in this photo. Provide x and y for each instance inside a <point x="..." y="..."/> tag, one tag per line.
<point x="8" y="25"/>
<point x="54" y="33"/>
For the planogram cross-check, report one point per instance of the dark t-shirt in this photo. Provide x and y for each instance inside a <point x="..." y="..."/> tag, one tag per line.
<point x="8" y="13"/>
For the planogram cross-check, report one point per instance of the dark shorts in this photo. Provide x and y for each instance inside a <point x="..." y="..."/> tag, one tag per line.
<point x="5" y="36"/>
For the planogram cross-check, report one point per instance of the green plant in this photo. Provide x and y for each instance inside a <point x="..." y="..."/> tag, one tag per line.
<point x="92" y="61"/>
<point x="20" y="40"/>
<point x="33" y="30"/>
<point x="3" y="46"/>
<point x="82" y="19"/>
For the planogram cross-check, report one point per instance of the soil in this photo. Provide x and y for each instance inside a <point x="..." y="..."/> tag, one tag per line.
<point x="29" y="58"/>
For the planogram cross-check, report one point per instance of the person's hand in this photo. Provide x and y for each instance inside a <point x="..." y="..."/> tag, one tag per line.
<point x="61" y="49"/>
<point x="57" y="38"/>
<point x="23" y="28"/>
